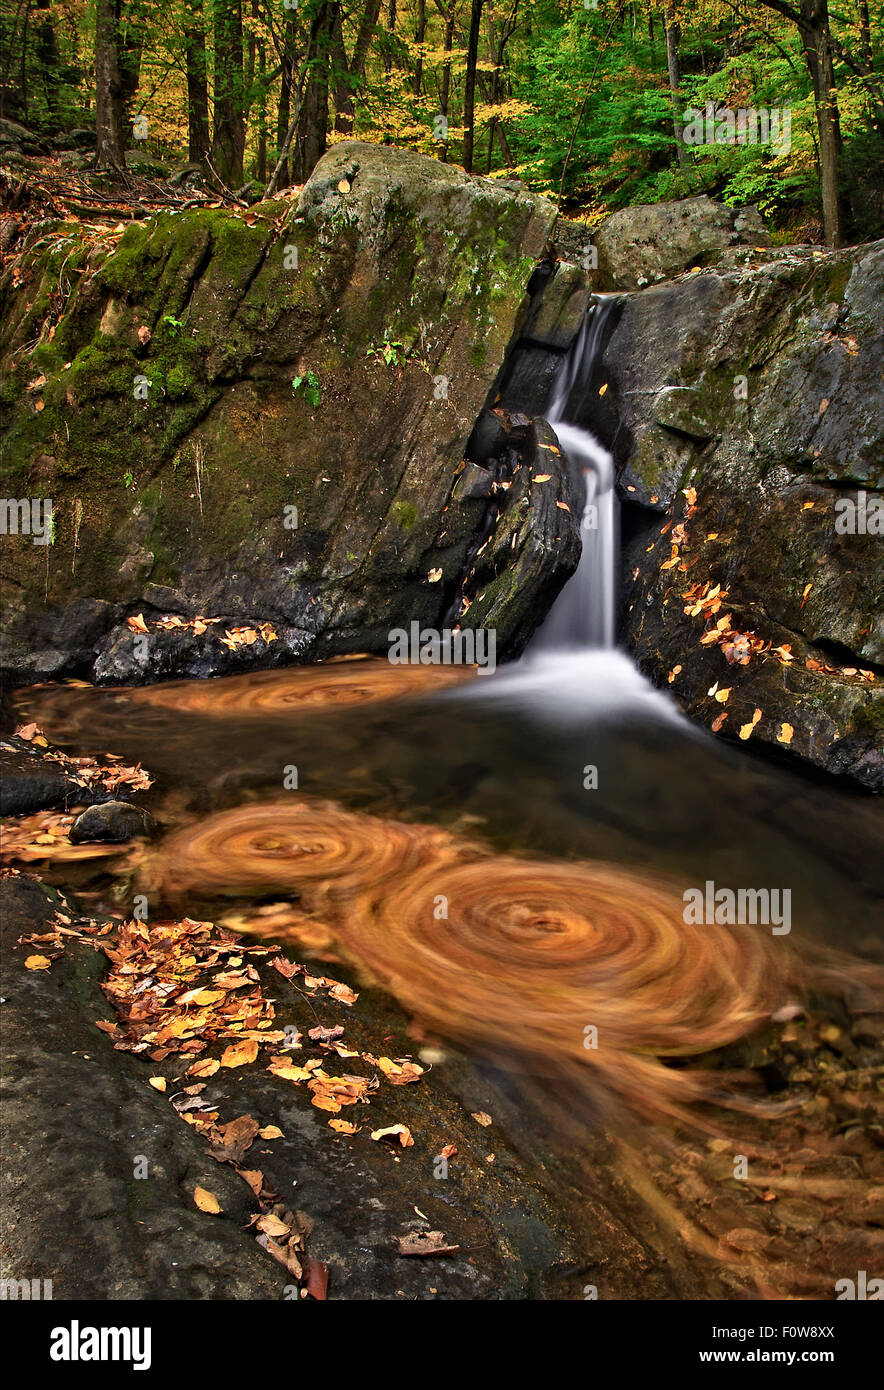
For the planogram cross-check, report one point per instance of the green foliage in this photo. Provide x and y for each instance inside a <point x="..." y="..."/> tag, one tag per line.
<point x="572" y="98"/>
<point x="309" y="386"/>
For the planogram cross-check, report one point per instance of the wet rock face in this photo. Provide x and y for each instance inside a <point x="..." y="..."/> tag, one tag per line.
<point x="29" y="783"/>
<point x="260" y="417"/>
<point x="759" y="387"/>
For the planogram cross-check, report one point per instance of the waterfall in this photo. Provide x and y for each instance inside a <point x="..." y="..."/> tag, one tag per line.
<point x="584" y="613"/>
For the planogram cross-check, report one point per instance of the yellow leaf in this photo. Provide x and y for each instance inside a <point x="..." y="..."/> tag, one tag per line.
<point x="239" y="1054"/>
<point x="158" y="1082"/>
<point x="37" y="963"/>
<point x="343" y="1127"/>
<point x="207" y="1201"/>
<point x="271" y="1132"/>
<point x="603" y="389"/>
<point x="542" y="478"/>
<point x="785" y="734"/>
<point x="722" y="695"/>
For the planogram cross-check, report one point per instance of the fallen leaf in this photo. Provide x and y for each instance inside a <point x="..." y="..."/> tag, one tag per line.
<point x="394" y="1132"/>
<point x="343" y="1127"/>
<point x="206" y="1067"/>
<point x="425" y="1243"/>
<point x="158" y="1082"/>
<point x="482" y="1118"/>
<point x="271" y="1132"/>
<point x="37" y="963"/>
<point x="746" y="730"/>
<point x="785" y="734"/>
<point x="207" y="1201"/>
<point x="239" y="1054"/>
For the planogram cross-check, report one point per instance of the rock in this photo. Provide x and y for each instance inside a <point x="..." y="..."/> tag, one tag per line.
<point x="112" y="822"/>
<point x="509" y="587"/>
<point x="760" y="387"/>
<point x="559" y="311"/>
<point x="654" y="241"/>
<point x="129" y="657"/>
<point x="29" y="783"/>
<point x="77" y="1215"/>
<point x="321" y="509"/>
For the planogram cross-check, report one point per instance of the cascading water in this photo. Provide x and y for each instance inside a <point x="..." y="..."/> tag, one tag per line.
<point x="572" y="668"/>
<point x="584" y="613"/>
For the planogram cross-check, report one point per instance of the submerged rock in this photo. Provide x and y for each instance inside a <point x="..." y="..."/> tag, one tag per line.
<point x="112" y="822"/>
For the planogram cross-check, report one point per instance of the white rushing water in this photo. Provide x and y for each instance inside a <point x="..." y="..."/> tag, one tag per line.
<point x="572" y="666"/>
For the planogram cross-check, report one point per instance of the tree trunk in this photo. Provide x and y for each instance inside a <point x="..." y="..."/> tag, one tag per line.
<point x="229" y="132"/>
<point x="197" y="88"/>
<point x="812" y="20"/>
<point x="311" y="136"/>
<point x="289" y="49"/>
<point x="110" y="144"/>
<point x="673" y="35"/>
<point x="818" y="53"/>
<point x="47" y="55"/>
<point x="420" y="30"/>
<point x="351" y="73"/>
<point x="445" y="93"/>
<point x="469" y="96"/>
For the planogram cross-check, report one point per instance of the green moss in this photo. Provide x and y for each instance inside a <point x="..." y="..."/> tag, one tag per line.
<point x="405" y="515"/>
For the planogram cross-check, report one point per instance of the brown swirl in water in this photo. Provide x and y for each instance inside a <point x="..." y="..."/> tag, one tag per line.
<point x="331" y="684"/>
<point x="501" y="952"/>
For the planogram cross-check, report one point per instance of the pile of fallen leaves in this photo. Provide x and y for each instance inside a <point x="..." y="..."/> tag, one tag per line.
<point x="111" y="774"/>
<point x="46" y="835"/>
<point x="234" y="637"/>
<point x="181" y="988"/>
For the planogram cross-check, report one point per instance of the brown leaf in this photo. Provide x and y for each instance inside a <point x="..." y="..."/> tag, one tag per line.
<point x="425" y="1243"/>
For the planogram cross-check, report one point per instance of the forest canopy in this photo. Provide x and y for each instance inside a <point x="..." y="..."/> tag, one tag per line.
<point x="596" y="103"/>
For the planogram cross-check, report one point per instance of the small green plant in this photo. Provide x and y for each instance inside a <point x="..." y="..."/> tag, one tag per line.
<point x="391" y="353"/>
<point x="309" y="384"/>
<point x="128" y="480"/>
<point x="174" y="324"/>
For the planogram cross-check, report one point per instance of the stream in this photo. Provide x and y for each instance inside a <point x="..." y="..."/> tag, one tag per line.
<point x="506" y="855"/>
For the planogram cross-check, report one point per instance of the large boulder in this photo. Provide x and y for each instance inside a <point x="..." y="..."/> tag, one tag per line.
<point x="745" y="409"/>
<point x="260" y="417"/>
<point x="640" y="245"/>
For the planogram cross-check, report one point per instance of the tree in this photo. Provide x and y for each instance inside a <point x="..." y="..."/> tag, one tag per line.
<point x="110" y="144"/>
<point x="229" y="133"/>
<point x="311" y="135"/>
<point x="350" y="73"/>
<point x="812" y="20"/>
<point x="469" y="96"/>
<point x="672" y="30"/>
<point x="197" y="83"/>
